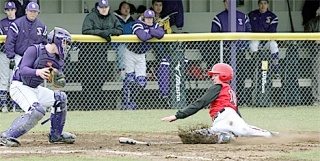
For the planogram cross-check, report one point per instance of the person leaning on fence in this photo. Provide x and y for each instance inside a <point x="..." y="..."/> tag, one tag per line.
<point x="26" y="89"/>
<point x="124" y="16"/>
<point x="135" y="60"/>
<point x="263" y="20"/>
<point x="93" y="56"/>
<point x="223" y="109"/>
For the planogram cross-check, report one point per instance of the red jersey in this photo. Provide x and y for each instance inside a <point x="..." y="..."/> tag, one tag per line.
<point x="226" y="98"/>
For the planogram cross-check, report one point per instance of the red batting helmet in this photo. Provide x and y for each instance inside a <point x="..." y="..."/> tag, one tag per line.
<point x="224" y="70"/>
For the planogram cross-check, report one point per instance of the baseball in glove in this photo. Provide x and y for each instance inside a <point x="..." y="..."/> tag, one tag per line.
<point x="56" y="78"/>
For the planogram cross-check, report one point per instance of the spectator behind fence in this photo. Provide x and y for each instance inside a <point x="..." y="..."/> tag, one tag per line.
<point x="157" y="7"/>
<point x="34" y="99"/>
<point x="220" y="24"/>
<point x="170" y="6"/>
<point x="220" y="21"/>
<point x="311" y="14"/>
<point x="140" y="10"/>
<point x="21" y="34"/>
<point x="309" y="10"/>
<point x="124" y="15"/>
<point x="135" y="58"/>
<point x="10" y="10"/>
<point x="93" y="56"/>
<point x="313" y="25"/>
<point x="263" y="20"/>
<point x="21" y="6"/>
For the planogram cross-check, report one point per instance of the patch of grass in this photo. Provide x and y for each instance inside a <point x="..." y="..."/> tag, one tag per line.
<point x="311" y="155"/>
<point x="277" y="119"/>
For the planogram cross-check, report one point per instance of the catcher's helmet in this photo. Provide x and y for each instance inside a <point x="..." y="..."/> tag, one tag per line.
<point x="224" y="70"/>
<point x="58" y="36"/>
<point x="50" y="36"/>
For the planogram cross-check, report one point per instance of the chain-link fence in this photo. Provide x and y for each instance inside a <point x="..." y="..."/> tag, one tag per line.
<point x="176" y="72"/>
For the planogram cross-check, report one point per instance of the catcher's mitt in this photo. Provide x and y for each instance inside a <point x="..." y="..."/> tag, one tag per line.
<point x="56" y="78"/>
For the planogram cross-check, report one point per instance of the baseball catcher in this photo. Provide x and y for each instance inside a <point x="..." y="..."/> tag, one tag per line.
<point x="227" y="121"/>
<point x="40" y="62"/>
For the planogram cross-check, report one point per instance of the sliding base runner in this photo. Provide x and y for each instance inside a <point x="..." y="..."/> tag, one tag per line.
<point x="262" y="84"/>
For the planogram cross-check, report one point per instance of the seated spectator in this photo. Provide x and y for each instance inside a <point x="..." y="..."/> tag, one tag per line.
<point x="263" y="20"/>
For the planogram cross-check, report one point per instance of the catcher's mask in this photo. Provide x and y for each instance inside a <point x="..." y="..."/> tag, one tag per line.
<point x="62" y="38"/>
<point x="224" y="70"/>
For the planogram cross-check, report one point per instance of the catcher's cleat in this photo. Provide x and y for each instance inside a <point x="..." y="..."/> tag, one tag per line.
<point x="65" y="138"/>
<point x="9" y="142"/>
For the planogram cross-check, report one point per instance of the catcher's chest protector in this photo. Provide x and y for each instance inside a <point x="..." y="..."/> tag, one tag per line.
<point x="44" y="59"/>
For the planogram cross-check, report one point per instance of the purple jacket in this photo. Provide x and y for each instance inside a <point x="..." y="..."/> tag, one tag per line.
<point x="263" y="22"/>
<point x="144" y="33"/>
<point x="170" y="6"/>
<point x="24" y="33"/>
<point x="4" y="25"/>
<point x="220" y="22"/>
<point x="36" y="57"/>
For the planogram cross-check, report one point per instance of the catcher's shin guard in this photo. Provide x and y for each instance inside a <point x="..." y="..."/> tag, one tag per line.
<point x="25" y="122"/>
<point x="58" y="115"/>
<point x="164" y="77"/>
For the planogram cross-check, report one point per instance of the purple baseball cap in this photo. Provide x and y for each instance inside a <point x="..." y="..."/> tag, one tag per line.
<point x="9" y="5"/>
<point x="103" y="3"/>
<point x="32" y="6"/>
<point x="149" y="14"/>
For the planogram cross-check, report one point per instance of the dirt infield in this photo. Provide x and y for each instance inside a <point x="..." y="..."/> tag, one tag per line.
<point x="106" y="145"/>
